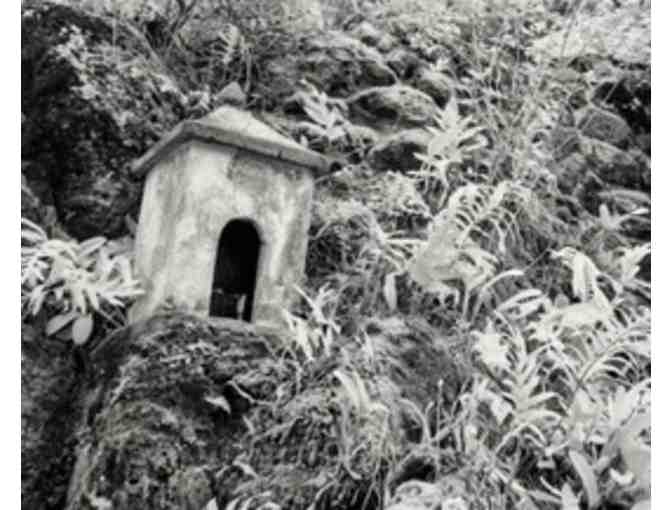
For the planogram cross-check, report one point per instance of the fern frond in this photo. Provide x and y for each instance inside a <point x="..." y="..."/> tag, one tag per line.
<point x="475" y="215"/>
<point x="228" y="42"/>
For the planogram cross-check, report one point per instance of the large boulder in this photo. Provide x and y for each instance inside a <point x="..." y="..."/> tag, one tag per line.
<point x="580" y="160"/>
<point x="604" y="126"/>
<point x="155" y="424"/>
<point x="397" y="106"/>
<point x="435" y="84"/>
<point x="176" y="412"/>
<point x="332" y="61"/>
<point x="179" y="411"/>
<point x="629" y="169"/>
<point x="94" y="98"/>
<point x="628" y="93"/>
<point x="397" y="151"/>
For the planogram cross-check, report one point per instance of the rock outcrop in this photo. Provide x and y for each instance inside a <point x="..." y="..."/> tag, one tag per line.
<point x="397" y="106"/>
<point x="334" y="62"/>
<point x="604" y="126"/>
<point x="177" y="411"/>
<point x="162" y="413"/>
<point x="94" y="98"/>
<point x="398" y="150"/>
<point x="49" y="410"/>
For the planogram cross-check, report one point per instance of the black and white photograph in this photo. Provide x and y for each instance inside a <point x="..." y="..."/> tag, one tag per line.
<point x="336" y="255"/>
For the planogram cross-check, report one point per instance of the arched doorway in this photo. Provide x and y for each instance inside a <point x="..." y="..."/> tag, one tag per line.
<point x="235" y="271"/>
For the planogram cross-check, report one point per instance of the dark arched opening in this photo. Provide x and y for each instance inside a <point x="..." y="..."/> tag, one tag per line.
<point x="235" y="271"/>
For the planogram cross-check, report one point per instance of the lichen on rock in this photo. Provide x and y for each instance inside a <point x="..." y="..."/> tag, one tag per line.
<point x="94" y="98"/>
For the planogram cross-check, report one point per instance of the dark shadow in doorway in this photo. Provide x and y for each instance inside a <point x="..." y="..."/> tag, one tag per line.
<point x="235" y="275"/>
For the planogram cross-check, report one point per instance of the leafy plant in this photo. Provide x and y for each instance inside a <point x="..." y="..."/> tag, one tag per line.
<point x="328" y="128"/>
<point x="73" y="283"/>
<point x="545" y="297"/>
<point x="559" y="390"/>
<point x="454" y="139"/>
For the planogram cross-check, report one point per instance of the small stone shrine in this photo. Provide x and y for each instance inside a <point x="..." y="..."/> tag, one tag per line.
<point x="224" y="220"/>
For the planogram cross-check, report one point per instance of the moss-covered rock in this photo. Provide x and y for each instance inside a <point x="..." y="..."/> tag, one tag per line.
<point x="628" y="93"/>
<point x="180" y="410"/>
<point x="49" y="411"/>
<point x="94" y="98"/>
<point x="604" y="126"/>
<point x="333" y="61"/>
<point x="435" y="84"/>
<point x="397" y="151"/>
<point x="395" y="106"/>
<point x="163" y="413"/>
<point x="629" y="169"/>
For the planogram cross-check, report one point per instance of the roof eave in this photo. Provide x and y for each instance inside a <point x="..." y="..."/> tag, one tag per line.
<point x="195" y="130"/>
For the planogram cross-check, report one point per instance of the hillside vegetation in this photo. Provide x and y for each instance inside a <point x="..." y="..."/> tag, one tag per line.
<point x="473" y="331"/>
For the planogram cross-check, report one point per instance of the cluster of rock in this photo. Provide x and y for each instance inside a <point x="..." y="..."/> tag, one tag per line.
<point x="137" y="431"/>
<point x="177" y="411"/>
<point x="94" y="98"/>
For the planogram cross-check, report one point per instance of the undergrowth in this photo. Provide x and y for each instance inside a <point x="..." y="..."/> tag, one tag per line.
<point x="546" y="299"/>
<point x="69" y="286"/>
<point x="479" y="254"/>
